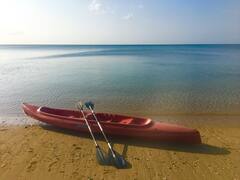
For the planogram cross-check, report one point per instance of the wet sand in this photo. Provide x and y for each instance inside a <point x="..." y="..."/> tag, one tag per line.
<point x="45" y="152"/>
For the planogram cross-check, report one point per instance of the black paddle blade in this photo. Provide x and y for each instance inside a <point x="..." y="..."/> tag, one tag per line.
<point x="118" y="160"/>
<point x="100" y="156"/>
<point x="89" y="104"/>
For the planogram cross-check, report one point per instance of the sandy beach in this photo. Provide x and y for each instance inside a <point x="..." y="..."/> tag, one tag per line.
<point x="174" y="62"/>
<point x="45" y="152"/>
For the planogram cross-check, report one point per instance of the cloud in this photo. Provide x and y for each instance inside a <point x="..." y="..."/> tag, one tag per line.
<point x="128" y="16"/>
<point x="96" y="7"/>
<point x="16" y="33"/>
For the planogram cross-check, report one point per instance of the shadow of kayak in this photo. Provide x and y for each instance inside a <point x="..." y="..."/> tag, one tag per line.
<point x="200" y="148"/>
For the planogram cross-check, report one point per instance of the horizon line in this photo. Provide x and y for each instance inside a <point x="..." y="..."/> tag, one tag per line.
<point x="114" y="44"/>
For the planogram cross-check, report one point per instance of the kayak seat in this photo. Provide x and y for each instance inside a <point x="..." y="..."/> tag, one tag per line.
<point x="126" y="121"/>
<point x="103" y="117"/>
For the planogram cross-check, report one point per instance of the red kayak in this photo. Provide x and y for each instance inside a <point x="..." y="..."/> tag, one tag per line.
<point x="116" y="125"/>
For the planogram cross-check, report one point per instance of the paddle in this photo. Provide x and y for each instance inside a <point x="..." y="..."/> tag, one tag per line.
<point x="99" y="154"/>
<point x="117" y="158"/>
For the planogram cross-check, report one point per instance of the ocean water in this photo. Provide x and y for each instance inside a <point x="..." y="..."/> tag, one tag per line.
<point x="141" y="80"/>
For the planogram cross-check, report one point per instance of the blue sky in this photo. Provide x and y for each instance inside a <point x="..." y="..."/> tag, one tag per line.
<point x="119" y="21"/>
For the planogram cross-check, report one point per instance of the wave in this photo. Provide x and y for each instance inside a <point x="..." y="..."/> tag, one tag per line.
<point x="105" y="52"/>
<point x="128" y="51"/>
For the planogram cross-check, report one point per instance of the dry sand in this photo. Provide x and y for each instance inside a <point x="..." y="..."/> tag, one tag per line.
<point x="43" y="152"/>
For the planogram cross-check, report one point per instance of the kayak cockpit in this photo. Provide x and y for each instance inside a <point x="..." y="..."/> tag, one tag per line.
<point x="59" y="112"/>
<point x="120" y="119"/>
<point x="102" y="117"/>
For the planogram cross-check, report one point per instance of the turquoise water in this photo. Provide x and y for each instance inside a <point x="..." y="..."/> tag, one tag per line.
<point x="144" y="80"/>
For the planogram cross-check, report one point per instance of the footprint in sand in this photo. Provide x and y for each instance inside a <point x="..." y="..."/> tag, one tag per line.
<point x="77" y="148"/>
<point x="75" y="174"/>
<point x="3" y="129"/>
<point x="32" y="166"/>
<point x="3" y="165"/>
<point x="51" y="164"/>
<point x="30" y="150"/>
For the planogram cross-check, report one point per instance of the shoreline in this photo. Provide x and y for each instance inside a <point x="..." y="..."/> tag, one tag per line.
<point x="46" y="152"/>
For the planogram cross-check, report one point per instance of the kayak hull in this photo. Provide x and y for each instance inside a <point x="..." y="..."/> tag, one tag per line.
<point x="130" y="127"/>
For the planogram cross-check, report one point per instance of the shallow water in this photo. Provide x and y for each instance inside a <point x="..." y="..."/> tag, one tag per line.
<point x="142" y="80"/>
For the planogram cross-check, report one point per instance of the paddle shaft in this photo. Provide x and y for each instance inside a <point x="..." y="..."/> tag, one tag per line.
<point x="89" y="128"/>
<point x="100" y="127"/>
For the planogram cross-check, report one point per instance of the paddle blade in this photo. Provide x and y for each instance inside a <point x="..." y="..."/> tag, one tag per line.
<point x="100" y="156"/>
<point x="118" y="160"/>
<point x="89" y="105"/>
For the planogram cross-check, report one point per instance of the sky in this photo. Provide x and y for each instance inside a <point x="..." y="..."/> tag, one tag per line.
<point x="119" y="21"/>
